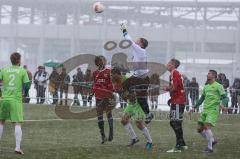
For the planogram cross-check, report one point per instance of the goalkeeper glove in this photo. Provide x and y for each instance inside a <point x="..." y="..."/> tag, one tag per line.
<point x="123" y="28"/>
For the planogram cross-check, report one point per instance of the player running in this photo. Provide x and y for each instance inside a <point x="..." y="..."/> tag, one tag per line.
<point x="140" y="79"/>
<point x="177" y="104"/>
<point x="212" y="95"/>
<point x="132" y="111"/>
<point x="103" y="91"/>
<point x="14" y="78"/>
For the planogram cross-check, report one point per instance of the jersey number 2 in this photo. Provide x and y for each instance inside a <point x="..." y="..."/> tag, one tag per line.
<point x="11" y="81"/>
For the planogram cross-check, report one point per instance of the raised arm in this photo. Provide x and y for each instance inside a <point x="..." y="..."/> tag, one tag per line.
<point x="126" y="36"/>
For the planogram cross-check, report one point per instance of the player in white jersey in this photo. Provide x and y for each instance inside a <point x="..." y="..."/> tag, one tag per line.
<point x="139" y="80"/>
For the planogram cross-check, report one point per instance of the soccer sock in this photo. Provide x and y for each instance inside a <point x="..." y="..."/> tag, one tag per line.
<point x="210" y="138"/>
<point x="110" y="123"/>
<point x="1" y="130"/>
<point x="101" y="127"/>
<point x="147" y="134"/>
<point x="18" y="136"/>
<point x="203" y="134"/>
<point x="130" y="130"/>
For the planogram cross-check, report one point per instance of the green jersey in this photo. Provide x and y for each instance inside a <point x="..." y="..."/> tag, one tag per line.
<point x="212" y="93"/>
<point x="13" y="79"/>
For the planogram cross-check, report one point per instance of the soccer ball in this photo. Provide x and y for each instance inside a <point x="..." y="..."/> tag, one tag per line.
<point x="98" y="7"/>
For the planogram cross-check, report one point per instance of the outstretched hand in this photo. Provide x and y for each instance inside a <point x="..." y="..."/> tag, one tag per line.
<point x="123" y="27"/>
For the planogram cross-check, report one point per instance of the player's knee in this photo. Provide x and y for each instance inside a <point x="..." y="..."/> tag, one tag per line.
<point x="100" y="118"/>
<point x="140" y="125"/>
<point x="109" y="115"/>
<point x="124" y="121"/>
<point x="176" y="124"/>
<point x="206" y="126"/>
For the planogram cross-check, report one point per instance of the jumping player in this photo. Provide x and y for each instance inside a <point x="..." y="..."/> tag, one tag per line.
<point x="14" y="78"/>
<point x="140" y="80"/>
<point x="132" y="111"/>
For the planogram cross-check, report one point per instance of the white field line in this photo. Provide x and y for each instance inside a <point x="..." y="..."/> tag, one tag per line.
<point x="92" y="119"/>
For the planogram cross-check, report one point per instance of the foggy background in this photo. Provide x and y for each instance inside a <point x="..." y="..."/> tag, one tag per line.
<point x="203" y="34"/>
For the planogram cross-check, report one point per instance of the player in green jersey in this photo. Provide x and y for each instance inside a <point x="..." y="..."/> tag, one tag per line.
<point x="132" y="111"/>
<point x="213" y="94"/>
<point x="14" y="78"/>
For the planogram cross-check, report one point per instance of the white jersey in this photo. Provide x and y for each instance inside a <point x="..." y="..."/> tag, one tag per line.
<point x="139" y="58"/>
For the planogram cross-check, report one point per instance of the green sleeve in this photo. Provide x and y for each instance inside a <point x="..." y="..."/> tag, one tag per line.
<point x="25" y="77"/>
<point x="225" y="99"/>
<point x="200" y="101"/>
<point x="221" y="90"/>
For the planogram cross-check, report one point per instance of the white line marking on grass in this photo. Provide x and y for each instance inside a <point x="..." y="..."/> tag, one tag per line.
<point x="92" y="119"/>
<point x="43" y="120"/>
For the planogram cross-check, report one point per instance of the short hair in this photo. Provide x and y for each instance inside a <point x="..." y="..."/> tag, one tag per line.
<point x="98" y="59"/>
<point x="175" y="62"/>
<point x="214" y="72"/>
<point x="15" y="58"/>
<point x="144" y="43"/>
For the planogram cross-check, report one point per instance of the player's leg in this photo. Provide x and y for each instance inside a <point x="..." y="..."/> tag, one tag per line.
<point x="38" y="93"/>
<point x="141" y="84"/>
<point x="18" y="138"/>
<point x="143" y="102"/>
<point x="66" y="96"/>
<point x="209" y="137"/>
<point x="100" y="109"/>
<point x="4" y="114"/>
<point x="110" y="122"/>
<point x="42" y="93"/>
<point x="44" y="96"/>
<point x="61" y="96"/>
<point x="144" y="129"/>
<point x="211" y="120"/>
<point x="128" y="126"/>
<point x="200" y="130"/>
<point x="176" y="118"/>
<point x="2" y="122"/>
<point x="16" y="117"/>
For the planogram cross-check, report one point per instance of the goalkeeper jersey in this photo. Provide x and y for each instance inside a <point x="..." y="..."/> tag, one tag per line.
<point x="139" y="58"/>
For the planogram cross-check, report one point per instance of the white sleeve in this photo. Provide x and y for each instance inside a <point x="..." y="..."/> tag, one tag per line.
<point x="136" y="47"/>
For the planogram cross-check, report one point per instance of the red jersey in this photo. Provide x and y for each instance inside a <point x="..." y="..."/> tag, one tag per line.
<point x="102" y="86"/>
<point x="178" y="94"/>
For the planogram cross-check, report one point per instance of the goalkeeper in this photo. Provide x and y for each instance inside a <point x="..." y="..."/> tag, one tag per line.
<point x="132" y="111"/>
<point x="139" y="80"/>
<point x="213" y="94"/>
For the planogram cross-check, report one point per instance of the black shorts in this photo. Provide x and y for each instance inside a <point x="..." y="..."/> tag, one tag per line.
<point x="176" y="112"/>
<point x="103" y="105"/>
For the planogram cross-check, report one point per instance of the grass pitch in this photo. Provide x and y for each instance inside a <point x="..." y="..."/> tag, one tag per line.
<point x="47" y="137"/>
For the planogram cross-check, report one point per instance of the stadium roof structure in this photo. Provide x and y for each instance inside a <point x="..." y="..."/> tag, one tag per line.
<point x="201" y="33"/>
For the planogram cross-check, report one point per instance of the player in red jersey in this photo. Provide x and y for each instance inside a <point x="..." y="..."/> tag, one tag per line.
<point x="177" y="104"/>
<point x="103" y="91"/>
